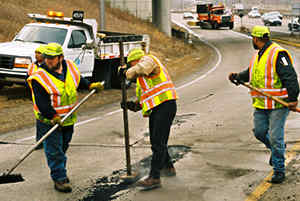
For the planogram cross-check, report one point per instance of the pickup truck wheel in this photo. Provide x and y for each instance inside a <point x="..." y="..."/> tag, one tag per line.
<point x="215" y="25"/>
<point x="2" y="85"/>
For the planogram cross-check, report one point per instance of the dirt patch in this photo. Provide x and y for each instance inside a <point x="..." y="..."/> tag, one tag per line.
<point x="230" y="172"/>
<point x="289" y="190"/>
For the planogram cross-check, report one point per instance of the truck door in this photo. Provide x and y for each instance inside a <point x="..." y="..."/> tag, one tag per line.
<point x="83" y="58"/>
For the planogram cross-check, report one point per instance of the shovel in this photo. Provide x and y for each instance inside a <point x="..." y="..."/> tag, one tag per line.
<point x="278" y="100"/>
<point x="13" y="178"/>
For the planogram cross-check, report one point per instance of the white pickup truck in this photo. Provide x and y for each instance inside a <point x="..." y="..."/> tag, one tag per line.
<point x="96" y="54"/>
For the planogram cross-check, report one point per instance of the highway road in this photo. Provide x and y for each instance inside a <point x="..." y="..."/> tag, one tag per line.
<point x="217" y="156"/>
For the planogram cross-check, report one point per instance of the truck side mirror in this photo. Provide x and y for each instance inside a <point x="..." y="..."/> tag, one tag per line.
<point x="88" y="45"/>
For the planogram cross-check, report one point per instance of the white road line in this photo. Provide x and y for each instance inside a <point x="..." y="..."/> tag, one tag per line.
<point x="241" y="34"/>
<point x="178" y="88"/>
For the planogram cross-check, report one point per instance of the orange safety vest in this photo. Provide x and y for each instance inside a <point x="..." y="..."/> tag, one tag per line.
<point x="262" y="75"/>
<point x="32" y="68"/>
<point x="63" y="95"/>
<point x="154" y="90"/>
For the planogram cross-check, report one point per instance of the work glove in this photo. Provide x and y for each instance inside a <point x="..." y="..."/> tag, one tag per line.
<point x="96" y="85"/>
<point x="122" y="71"/>
<point x="56" y="120"/>
<point x="131" y="105"/>
<point x="293" y="106"/>
<point x="233" y="77"/>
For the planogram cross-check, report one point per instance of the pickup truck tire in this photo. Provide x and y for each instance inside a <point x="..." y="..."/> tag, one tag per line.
<point x="215" y="25"/>
<point x="2" y="84"/>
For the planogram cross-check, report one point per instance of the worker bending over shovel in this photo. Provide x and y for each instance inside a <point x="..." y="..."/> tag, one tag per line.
<point x="271" y="71"/>
<point x="156" y="97"/>
<point x="54" y="93"/>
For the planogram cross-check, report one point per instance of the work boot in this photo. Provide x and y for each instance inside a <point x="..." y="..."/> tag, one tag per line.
<point x="168" y="172"/>
<point x="63" y="186"/>
<point x="149" y="184"/>
<point x="278" y="177"/>
<point x="67" y="180"/>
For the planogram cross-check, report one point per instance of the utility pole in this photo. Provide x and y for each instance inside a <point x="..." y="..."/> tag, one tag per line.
<point x="161" y="15"/>
<point x="136" y="8"/>
<point x="102" y="15"/>
<point x="124" y="5"/>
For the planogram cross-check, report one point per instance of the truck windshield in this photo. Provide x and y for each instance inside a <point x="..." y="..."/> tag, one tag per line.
<point x="41" y="34"/>
<point x="218" y="12"/>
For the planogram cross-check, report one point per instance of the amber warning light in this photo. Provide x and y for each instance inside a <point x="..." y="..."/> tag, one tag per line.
<point x="55" y="14"/>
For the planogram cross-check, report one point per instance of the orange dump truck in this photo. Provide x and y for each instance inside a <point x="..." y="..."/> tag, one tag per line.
<point x="215" y="16"/>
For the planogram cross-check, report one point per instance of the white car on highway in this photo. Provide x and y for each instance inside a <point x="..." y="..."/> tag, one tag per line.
<point x="188" y="15"/>
<point x="273" y="18"/>
<point x="295" y="23"/>
<point x="254" y="14"/>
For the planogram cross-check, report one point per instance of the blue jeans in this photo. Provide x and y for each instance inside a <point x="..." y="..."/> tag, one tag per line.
<point x="55" y="147"/>
<point x="269" y="129"/>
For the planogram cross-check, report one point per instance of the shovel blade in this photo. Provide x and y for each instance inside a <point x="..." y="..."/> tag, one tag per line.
<point x="10" y="178"/>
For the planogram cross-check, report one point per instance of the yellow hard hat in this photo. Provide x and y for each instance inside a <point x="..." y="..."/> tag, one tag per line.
<point x="52" y="50"/>
<point x="41" y="49"/>
<point x="260" y="31"/>
<point x="135" y="54"/>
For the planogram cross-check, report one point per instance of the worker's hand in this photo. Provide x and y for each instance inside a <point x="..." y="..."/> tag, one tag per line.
<point x="233" y="77"/>
<point x="134" y="106"/>
<point x="293" y="106"/>
<point x="56" y="120"/>
<point x="131" y="105"/>
<point x="122" y="71"/>
<point x="96" y="85"/>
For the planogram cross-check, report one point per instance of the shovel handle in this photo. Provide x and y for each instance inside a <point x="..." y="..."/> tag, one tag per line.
<point x="125" y="112"/>
<point x="32" y="148"/>
<point x="278" y="100"/>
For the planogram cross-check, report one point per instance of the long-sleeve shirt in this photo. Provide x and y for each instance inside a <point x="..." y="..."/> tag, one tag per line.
<point x="42" y="97"/>
<point x="145" y="67"/>
<point x="284" y="70"/>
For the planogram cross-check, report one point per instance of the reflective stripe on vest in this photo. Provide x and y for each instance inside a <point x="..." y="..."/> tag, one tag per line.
<point x="63" y="95"/>
<point x="32" y="68"/>
<point x="154" y="90"/>
<point x="262" y="75"/>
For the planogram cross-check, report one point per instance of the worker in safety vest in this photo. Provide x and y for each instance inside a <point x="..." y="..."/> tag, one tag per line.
<point x="156" y="96"/>
<point x="271" y="70"/>
<point x="39" y="61"/>
<point x="54" y="91"/>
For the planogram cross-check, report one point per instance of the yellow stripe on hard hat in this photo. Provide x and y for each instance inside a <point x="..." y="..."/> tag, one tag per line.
<point x="135" y="54"/>
<point x="53" y="49"/>
<point x="41" y="49"/>
<point x="260" y="31"/>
